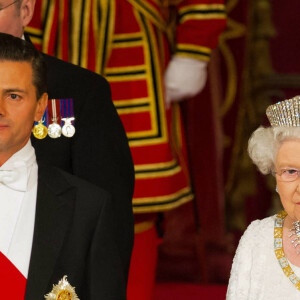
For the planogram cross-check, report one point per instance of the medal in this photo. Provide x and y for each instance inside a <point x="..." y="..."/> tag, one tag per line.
<point x="62" y="291"/>
<point x="68" y="129"/>
<point x="54" y="129"/>
<point x="67" y="113"/>
<point x="39" y="130"/>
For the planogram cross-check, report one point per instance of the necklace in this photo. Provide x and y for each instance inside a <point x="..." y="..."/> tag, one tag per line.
<point x="295" y="235"/>
<point x="278" y="249"/>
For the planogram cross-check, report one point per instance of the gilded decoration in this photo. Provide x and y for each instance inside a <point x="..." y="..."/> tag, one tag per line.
<point x="254" y="98"/>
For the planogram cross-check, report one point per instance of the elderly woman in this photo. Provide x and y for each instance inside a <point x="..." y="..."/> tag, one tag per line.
<point x="267" y="261"/>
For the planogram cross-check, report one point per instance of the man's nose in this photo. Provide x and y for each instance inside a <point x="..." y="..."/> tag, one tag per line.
<point x="2" y="107"/>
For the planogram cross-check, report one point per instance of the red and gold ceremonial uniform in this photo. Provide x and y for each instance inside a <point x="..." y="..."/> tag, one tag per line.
<point x="129" y="42"/>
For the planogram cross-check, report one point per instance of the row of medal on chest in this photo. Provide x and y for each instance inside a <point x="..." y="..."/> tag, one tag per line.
<point x="54" y="130"/>
<point x="57" y="109"/>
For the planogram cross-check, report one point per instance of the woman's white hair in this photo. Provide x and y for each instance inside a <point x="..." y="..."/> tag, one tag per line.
<point x="264" y="143"/>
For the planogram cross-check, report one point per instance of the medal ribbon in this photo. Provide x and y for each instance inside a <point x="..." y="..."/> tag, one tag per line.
<point x="67" y="108"/>
<point x="54" y="111"/>
<point x="45" y="118"/>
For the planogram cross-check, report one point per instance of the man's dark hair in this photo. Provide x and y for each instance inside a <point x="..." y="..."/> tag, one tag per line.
<point x="16" y="49"/>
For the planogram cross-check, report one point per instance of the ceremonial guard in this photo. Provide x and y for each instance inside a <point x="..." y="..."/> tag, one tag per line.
<point x="152" y="52"/>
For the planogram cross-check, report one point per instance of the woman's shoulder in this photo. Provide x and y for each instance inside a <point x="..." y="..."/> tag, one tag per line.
<point x="259" y="225"/>
<point x="248" y="269"/>
<point x="258" y="233"/>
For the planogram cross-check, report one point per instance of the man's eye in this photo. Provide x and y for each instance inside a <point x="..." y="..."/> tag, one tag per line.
<point x="14" y="96"/>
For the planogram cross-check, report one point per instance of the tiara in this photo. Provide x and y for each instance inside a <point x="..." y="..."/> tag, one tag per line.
<point x="285" y="113"/>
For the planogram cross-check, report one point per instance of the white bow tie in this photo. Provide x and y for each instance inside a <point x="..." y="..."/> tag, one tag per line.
<point x="15" y="177"/>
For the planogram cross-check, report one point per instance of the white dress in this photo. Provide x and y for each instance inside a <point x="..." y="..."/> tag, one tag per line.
<point x="256" y="273"/>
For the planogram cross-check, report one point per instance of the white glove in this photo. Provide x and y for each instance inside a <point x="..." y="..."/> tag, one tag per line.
<point x="184" y="78"/>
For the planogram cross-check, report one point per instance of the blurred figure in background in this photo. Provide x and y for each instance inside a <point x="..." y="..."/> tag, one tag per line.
<point x="153" y="53"/>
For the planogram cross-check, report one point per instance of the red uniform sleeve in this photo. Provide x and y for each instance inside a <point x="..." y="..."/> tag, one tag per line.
<point x="200" y="22"/>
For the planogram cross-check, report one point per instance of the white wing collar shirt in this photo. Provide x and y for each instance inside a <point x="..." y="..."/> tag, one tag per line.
<point x="18" y="192"/>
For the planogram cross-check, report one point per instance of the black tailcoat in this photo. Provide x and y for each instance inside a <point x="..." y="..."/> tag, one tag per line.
<point x="74" y="236"/>
<point x="99" y="150"/>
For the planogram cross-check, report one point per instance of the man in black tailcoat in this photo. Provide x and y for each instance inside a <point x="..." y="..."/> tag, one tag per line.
<point x="99" y="150"/>
<point x="56" y="234"/>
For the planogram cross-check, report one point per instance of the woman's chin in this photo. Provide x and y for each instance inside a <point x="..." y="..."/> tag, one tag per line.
<point x="295" y="215"/>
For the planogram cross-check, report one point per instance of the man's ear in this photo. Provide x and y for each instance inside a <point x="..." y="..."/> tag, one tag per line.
<point x="41" y="106"/>
<point x="26" y="11"/>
